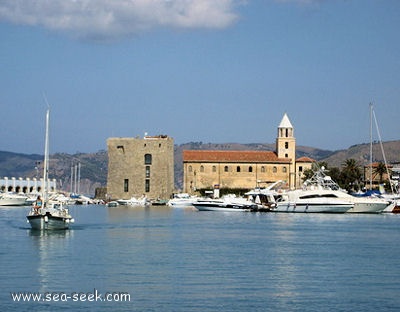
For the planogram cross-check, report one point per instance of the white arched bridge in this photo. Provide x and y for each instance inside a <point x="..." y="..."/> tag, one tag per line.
<point x="26" y="186"/>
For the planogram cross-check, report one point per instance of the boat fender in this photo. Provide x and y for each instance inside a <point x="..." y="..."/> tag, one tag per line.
<point x="46" y="219"/>
<point x="72" y="220"/>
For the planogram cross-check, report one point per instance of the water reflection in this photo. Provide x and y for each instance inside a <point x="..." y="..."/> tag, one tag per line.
<point x="51" y="249"/>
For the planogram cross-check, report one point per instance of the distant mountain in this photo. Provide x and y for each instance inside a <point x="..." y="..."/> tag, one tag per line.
<point x="94" y="165"/>
<point x="93" y="168"/>
<point x="361" y="153"/>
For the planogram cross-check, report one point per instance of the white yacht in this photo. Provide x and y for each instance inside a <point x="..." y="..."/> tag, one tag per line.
<point x="12" y="199"/>
<point x="133" y="201"/>
<point x="312" y="201"/>
<point x="182" y="200"/>
<point x="363" y="204"/>
<point x="226" y="203"/>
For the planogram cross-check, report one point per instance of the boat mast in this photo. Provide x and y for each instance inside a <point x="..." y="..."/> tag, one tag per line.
<point x="370" y="146"/>
<point x="382" y="150"/>
<point x="46" y="159"/>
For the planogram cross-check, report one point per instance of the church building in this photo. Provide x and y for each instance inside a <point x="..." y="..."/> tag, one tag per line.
<point x="241" y="170"/>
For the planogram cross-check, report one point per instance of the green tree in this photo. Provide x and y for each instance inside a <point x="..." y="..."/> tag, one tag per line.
<point x="351" y="175"/>
<point x="380" y="170"/>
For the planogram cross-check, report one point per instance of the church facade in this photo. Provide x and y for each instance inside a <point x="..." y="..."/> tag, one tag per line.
<point x="223" y="169"/>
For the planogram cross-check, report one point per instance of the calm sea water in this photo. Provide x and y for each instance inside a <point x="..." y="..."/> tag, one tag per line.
<point x="185" y="260"/>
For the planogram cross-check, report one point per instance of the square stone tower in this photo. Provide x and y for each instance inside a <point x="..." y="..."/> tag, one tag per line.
<point x="139" y="167"/>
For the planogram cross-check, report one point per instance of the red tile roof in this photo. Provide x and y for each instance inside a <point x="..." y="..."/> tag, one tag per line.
<point x="232" y="156"/>
<point x="305" y="159"/>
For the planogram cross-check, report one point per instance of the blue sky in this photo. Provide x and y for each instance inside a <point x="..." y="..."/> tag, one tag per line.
<point x="213" y="71"/>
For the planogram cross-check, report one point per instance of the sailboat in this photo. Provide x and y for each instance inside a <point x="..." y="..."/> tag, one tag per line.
<point x="48" y="216"/>
<point x="393" y="198"/>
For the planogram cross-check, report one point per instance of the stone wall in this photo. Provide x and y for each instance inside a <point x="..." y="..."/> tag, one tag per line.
<point x="139" y="167"/>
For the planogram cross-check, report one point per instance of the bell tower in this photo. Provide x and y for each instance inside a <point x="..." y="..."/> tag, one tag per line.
<point x="286" y="146"/>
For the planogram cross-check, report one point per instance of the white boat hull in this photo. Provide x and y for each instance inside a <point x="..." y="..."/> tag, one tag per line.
<point x="6" y="200"/>
<point x="210" y="206"/>
<point x="312" y="207"/>
<point x="181" y="203"/>
<point x="369" y="207"/>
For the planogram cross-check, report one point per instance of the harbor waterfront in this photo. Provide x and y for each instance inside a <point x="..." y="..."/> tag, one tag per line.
<point x="170" y="259"/>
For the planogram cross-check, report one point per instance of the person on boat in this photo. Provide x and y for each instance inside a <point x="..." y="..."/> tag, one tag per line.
<point x="38" y="204"/>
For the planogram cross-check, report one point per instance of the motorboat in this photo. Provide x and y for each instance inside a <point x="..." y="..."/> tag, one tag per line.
<point x="12" y="199"/>
<point x="361" y="204"/>
<point x="312" y="201"/>
<point x="182" y="200"/>
<point x="44" y="215"/>
<point x="112" y="204"/>
<point x="226" y="203"/>
<point x="265" y="197"/>
<point x="133" y="201"/>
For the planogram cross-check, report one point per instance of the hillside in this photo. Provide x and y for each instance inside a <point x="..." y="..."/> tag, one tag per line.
<point x="94" y="165"/>
<point x="93" y="168"/>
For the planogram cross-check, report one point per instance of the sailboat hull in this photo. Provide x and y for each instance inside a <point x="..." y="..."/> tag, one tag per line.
<point x="45" y="222"/>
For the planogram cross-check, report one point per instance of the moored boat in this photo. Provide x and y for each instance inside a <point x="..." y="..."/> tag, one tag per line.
<point x="226" y="203"/>
<point x="312" y="201"/>
<point x="12" y="199"/>
<point x="182" y="200"/>
<point x="133" y="201"/>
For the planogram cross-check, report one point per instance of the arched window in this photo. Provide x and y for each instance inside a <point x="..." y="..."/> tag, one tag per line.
<point x="214" y="168"/>
<point x="190" y="168"/>
<point x="262" y="169"/>
<point x="274" y="170"/>
<point x="201" y="168"/>
<point x="284" y="169"/>
<point x="250" y="169"/>
<point x="238" y="169"/>
<point x="226" y="168"/>
<point x="147" y="159"/>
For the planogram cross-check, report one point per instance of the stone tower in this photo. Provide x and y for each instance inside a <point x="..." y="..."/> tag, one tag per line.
<point x="139" y="167"/>
<point x="286" y="146"/>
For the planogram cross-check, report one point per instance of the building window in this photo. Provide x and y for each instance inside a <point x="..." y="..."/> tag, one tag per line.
<point x="121" y="149"/>
<point x="238" y="169"/>
<point x="190" y="168"/>
<point x="286" y="145"/>
<point x="202" y="168"/>
<point x="147" y="159"/>
<point x="274" y="170"/>
<point x="226" y="168"/>
<point x="262" y="169"/>
<point x="250" y="169"/>
<point x="147" y="171"/>
<point x="126" y="185"/>
<point x="287" y="132"/>
<point x="284" y="169"/>
<point x="214" y="168"/>
<point x="301" y="169"/>
<point x="286" y="155"/>
<point x="147" y="185"/>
